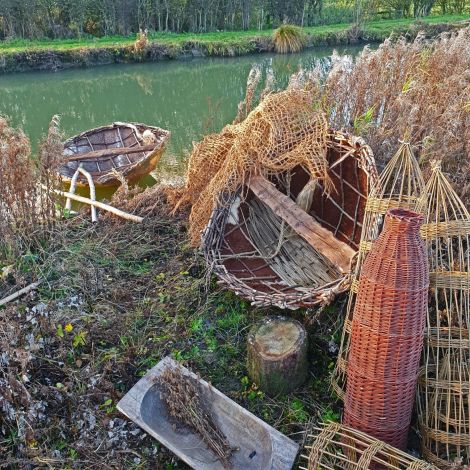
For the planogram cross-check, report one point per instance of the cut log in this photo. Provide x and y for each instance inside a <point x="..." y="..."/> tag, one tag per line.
<point x="336" y="251"/>
<point x="277" y="355"/>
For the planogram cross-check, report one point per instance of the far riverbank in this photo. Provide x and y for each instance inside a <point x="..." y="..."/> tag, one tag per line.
<point x="23" y="56"/>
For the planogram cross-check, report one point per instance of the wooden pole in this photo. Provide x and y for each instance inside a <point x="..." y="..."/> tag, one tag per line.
<point x="336" y="251"/>
<point x="19" y="293"/>
<point x="100" y="205"/>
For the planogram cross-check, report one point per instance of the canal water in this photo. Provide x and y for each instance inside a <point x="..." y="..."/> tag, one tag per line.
<point x="190" y="97"/>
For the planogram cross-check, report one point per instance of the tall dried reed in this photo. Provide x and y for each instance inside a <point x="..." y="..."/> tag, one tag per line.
<point x="420" y="89"/>
<point x="27" y="204"/>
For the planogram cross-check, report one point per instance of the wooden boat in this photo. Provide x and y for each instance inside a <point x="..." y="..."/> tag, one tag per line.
<point x="130" y="149"/>
<point x="267" y="249"/>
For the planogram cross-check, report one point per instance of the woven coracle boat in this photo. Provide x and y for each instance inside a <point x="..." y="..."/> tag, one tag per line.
<point x="267" y="249"/>
<point x="132" y="150"/>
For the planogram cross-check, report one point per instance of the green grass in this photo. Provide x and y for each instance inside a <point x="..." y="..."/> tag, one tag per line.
<point x="140" y="294"/>
<point x="384" y="27"/>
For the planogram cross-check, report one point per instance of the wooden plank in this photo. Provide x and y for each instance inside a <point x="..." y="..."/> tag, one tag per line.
<point x="260" y="446"/>
<point x="336" y="251"/>
<point x="111" y="152"/>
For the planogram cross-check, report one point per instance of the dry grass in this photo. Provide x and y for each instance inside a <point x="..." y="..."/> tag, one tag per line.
<point x="184" y="400"/>
<point x="27" y="206"/>
<point x="17" y="187"/>
<point x="288" y="38"/>
<point x="420" y="90"/>
<point x="141" y="42"/>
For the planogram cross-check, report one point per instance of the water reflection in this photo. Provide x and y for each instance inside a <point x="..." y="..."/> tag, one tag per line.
<point x="189" y="98"/>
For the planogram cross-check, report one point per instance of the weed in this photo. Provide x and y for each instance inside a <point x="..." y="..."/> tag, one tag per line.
<point x="288" y="38"/>
<point x="329" y="415"/>
<point x="297" y="411"/>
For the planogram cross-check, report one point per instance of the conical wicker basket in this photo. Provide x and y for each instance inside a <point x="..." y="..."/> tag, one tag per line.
<point x="401" y="185"/>
<point x="388" y="330"/>
<point x="444" y="382"/>
<point x="335" y="446"/>
<point x="254" y="253"/>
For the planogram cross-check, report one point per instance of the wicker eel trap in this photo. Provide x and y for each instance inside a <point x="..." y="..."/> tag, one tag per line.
<point x="267" y="249"/>
<point x="336" y="446"/>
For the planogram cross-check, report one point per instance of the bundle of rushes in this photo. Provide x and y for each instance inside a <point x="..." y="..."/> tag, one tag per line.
<point x="184" y="401"/>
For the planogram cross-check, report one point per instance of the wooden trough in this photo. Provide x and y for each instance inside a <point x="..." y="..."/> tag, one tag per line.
<point x="266" y="248"/>
<point x="259" y="446"/>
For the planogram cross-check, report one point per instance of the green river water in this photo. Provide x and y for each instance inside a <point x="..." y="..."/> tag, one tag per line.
<point x="188" y="97"/>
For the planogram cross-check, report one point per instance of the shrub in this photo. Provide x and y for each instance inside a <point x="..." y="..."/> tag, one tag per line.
<point x="27" y="202"/>
<point x="288" y="38"/>
<point x="141" y="43"/>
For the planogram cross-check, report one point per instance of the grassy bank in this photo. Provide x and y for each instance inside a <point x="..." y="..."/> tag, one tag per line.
<point x="19" y="55"/>
<point x="117" y="298"/>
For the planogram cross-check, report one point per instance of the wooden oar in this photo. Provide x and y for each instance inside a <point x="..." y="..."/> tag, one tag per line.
<point x="336" y="251"/>
<point x="112" y="152"/>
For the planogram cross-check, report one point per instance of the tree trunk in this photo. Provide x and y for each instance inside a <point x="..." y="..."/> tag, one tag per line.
<point x="277" y="355"/>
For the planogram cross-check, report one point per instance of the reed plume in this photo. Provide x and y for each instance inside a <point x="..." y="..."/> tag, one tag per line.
<point x="421" y="88"/>
<point x="27" y="206"/>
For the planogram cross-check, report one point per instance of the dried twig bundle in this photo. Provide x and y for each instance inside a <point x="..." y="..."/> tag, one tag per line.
<point x="184" y="401"/>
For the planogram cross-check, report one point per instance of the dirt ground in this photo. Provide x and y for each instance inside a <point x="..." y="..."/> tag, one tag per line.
<point x="117" y="298"/>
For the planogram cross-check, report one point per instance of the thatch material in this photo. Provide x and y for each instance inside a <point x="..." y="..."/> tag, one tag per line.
<point x="262" y="258"/>
<point x="336" y="446"/>
<point x="444" y="382"/>
<point x="401" y="186"/>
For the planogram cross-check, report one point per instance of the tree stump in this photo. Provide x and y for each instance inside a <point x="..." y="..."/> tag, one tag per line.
<point x="277" y="355"/>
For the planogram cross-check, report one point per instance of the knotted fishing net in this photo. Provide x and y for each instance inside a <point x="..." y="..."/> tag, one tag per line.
<point x="284" y="131"/>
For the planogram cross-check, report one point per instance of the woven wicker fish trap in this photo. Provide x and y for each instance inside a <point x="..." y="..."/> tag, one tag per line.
<point x="258" y="240"/>
<point x="401" y="185"/>
<point x="388" y="330"/>
<point x="335" y="446"/>
<point x="444" y="382"/>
